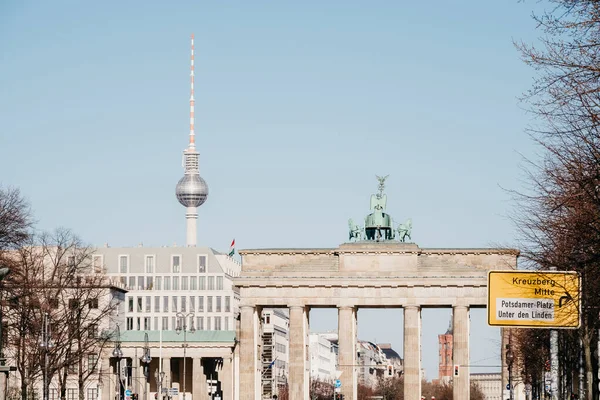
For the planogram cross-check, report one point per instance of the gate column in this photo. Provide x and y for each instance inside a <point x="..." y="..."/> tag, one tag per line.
<point x="249" y="324"/>
<point x="412" y="353"/>
<point x="298" y="353"/>
<point x="460" y="352"/>
<point x="347" y="351"/>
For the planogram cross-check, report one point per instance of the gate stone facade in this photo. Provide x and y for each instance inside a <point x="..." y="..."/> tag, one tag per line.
<point x="384" y="274"/>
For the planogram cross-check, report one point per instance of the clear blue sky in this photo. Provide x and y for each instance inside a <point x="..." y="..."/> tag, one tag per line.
<point x="298" y="104"/>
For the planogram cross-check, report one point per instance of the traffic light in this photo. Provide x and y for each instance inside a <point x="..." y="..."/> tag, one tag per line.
<point x="134" y="396"/>
<point x="456" y="370"/>
<point x="547" y="366"/>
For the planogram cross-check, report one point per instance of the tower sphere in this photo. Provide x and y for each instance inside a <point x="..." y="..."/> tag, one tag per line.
<point x="191" y="190"/>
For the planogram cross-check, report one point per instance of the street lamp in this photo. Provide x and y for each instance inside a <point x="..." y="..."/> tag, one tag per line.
<point x="183" y="327"/>
<point x="118" y="354"/>
<point x="145" y="359"/>
<point x="159" y="380"/>
<point x="510" y="357"/>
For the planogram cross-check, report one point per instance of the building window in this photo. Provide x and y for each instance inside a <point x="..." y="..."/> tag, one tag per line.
<point x="200" y="303"/>
<point x="131" y="282"/>
<point x="165" y="303"/>
<point x="92" y="394"/>
<point x="201" y="283"/>
<point x="192" y="303"/>
<point x="209" y="307"/>
<point x="219" y="283"/>
<point x="200" y="323"/>
<point x="202" y="264"/>
<point x="218" y="305"/>
<point x="158" y="283"/>
<point x="175" y="283"/>
<point x="176" y="263"/>
<point x="156" y="328"/>
<point x="73" y="304"/>
<point x="72" y="369"/>
<point x="217" y="323"/>
<point x="129" y="323"/>
<point x="149" y="264"/>
<point x="227" y="304"/>
<point x="93" y="303"/>
<point x="226" y="320"/>
<point x="208" y="324"/>
<point x="184" y="283"/>
<point x="72" y="393"/>
<point x="174" y="309"/>
<point x="53" y="395"/>
<point x="211" y="283"/>
<point x="53" y="303"/>
<point x="165" y="323"/>
<point x="173" y="323"/>
<point x="149" y="283"/>
<point x="267" y="318"/>
<point x="167" y="283"/>
<point x="139" y="304"/>
<point x="139" y="323"/>
<point x="146" y="323"/>
<point x="93" y="330"/>
<point x="140" y="283"/>
<point x="193" y="283"/>
<point x="183" y="303"/>
<point x="123" y="264"/>
<point x="156" y="303"/>
<point x="92" y="362"/>
<point x="148" y="304"/>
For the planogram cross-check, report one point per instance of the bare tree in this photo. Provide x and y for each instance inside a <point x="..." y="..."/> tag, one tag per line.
<point x="559" y="218"/>
<point x="53" y="280"/>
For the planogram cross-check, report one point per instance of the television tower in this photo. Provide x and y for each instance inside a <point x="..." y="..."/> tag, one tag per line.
<point x="191" y="190"/>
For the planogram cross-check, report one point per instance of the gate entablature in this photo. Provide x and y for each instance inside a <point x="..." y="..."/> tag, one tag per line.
<point x="376" y="259"/>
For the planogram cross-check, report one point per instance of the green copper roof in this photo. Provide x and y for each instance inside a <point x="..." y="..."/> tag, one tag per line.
<point x="172" y="336"/>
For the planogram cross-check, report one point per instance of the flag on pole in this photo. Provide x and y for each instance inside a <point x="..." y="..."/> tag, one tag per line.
<point x="232" y="248"/>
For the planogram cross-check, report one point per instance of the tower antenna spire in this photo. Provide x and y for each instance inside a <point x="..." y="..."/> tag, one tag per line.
<point x="192" y="119"/>
<point x="191" y="190"/>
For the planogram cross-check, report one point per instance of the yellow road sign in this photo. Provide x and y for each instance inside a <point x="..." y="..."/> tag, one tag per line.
<point x="542" y="299"/>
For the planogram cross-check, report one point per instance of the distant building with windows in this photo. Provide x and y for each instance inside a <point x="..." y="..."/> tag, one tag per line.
<point x="275" y="350"/>
<point x="164" y="281"/>
<point x="445" y="366"/>
<point x="323" y="357"/>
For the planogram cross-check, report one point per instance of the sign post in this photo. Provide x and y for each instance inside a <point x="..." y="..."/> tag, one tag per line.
<point x="542" y="299"/>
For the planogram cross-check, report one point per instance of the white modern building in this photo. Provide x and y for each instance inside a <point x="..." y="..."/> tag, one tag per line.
<point x="490" y="384"/>
<point x="323" y="357"/>
<point x="166" y="282"/>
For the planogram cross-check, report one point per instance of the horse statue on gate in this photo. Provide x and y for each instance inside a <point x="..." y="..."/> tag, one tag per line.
<point x="404" y="230"/>
<point x="355" y="232"/>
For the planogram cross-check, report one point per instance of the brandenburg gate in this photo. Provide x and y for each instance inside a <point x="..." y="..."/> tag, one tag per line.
<point x="378" y="270"/>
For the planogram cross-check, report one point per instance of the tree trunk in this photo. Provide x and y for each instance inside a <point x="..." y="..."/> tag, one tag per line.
<point x="81" y="380"/>
<point x="586" y="341"/>
<point x="23" y="388"/>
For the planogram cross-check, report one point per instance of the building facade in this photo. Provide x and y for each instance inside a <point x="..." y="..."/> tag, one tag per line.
<point x="323" y="357"/>
<point x="445" y="367"/>
<point x="275" y="348"/>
